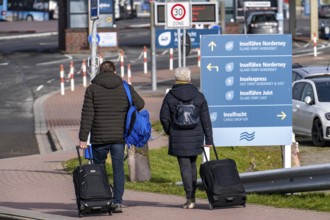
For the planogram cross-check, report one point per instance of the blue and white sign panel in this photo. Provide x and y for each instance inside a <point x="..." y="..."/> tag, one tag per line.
<point x="247" y="80"/>
<point x="169" y="38"/>
<point x="94" y="9"/>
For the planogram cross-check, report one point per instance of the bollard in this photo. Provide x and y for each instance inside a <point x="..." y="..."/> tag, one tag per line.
<point x="171" y="58"/>
<point x="71" y="75"/>
<point x="84" y="70"/>
<point x="145" y="60"/>
<point x="129" y="74"/>
<point x="100" y="59"/>
<point x="62" y="79"/>
<point x="122" y="74"/>
<point x="315" y="48"/>
<point x="198" y="57"/>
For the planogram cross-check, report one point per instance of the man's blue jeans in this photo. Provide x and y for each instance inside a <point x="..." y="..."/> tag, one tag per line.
<point x="100" y="152"/>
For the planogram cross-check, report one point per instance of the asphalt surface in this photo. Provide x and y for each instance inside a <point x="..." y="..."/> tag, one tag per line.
<point x="38" y="187"/>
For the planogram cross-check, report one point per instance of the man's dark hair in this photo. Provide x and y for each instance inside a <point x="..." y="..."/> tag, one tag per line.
<point x="107" y="66"/>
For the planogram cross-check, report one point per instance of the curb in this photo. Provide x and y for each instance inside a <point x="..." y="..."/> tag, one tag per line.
<point x="27" y="35"/>
<point x="10" y="213"/>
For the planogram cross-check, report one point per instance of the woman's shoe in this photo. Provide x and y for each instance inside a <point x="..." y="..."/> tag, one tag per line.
<point x="189" y="204"/>
<point x="116" y="208"/>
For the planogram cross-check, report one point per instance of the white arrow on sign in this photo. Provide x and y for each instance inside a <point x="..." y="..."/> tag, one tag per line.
<point x="282" y="115"/>
<point x="210" y="67"/>
<point x="212" y="45"/>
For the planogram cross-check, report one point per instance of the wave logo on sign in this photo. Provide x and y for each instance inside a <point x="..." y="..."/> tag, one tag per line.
<point x="229" y="81"/>
<point x="164" y="39"/>
<point x="213" y="116"/>
<point x="247" y="136"/>
<point x="229" y="95"/>
<point x="229" y="46"/>
<point x="229" y="67"/>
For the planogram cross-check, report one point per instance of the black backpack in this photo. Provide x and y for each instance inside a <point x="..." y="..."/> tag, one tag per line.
<point x="187" y="116"/>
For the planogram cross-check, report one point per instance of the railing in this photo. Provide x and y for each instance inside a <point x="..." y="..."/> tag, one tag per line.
<point x="286" y="180"/>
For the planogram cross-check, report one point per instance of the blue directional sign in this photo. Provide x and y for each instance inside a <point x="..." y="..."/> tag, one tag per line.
<point x="168" y="38"/>
<point x="247" y="80"/>
<point x="94" y="9"/>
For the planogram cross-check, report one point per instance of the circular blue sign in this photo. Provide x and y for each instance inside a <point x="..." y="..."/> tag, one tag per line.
<point x="97" y="38"/>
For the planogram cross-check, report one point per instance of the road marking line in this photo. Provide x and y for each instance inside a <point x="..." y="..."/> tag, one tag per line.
<point x="40" y="87"/>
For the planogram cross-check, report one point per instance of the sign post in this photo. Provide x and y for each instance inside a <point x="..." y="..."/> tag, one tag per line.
<point x="178" y="16"/>
<point x="247" y="82"/>
<point x="201" y="13"/>
<point x="94" y="15"/>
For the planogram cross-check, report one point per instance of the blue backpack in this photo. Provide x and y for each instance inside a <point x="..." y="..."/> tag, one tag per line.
<point x="137" y="125"/>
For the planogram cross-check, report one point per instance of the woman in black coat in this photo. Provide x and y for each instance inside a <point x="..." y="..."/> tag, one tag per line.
<point x="186" y="143"/>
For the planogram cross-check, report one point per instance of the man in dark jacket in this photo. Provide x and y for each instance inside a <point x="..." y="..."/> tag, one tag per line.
<point x="186" y="144"/>
<point x="103" y="117"/>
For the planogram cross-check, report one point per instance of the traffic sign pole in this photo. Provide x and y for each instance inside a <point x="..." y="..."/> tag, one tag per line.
<point x="94" y="50"/>
<point x="94" y="15"/>
<point x="179" y="48"/>
<point x="184" y="47"/>
<point x="178" y="16"/>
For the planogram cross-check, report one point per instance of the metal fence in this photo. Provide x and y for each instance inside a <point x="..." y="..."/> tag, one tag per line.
<point x="286" y="180"/>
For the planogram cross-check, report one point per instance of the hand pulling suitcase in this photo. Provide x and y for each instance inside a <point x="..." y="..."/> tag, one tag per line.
<point x="93" y="191"/>
<point x="222" y="182"/>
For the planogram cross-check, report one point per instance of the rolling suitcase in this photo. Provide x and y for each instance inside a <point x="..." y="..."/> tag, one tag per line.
<point x="93" y="191"/>
<point x="222" y="182"/>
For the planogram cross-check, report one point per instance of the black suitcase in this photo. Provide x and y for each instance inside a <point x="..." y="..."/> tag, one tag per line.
<point x="222" y="182"/>
<point x="93" y="191"/>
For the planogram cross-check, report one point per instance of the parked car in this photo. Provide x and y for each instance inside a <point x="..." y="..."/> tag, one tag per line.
<point x="53" y="9"/>
<point x="262" y="22"/>
<point x="301" y="72"/>
<point x="324" y="30"/>
<point x="324" y="11"/>
<point x="311" y="109"/>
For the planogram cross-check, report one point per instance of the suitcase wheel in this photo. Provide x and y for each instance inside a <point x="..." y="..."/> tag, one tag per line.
<point x="210" y="206"/>
<point x="80" y="214"/>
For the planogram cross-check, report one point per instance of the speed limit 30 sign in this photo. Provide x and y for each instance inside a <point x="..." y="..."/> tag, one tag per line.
<point x="178" y="15"/>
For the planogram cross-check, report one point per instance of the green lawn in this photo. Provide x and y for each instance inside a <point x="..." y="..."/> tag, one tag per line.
<point x="165" y="173"/>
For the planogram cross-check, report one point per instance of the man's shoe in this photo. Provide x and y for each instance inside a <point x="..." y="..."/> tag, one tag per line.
<point x="189" y="204"/>
<point x="116" y="208"/>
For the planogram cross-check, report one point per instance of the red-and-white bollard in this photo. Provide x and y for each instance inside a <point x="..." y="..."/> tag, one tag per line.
<point x="171" y="58"/>
<point x="199" y="57"/>
<point x="84" y="70"/>
<point x="129" y="74"/>
<point x="122" y="69"/>
<point x="145" y="60"/>
<point x="71" y="75"/>
<point x="100" y="59"/>
<point x="62" y="79"/>
<point x="315" y="48"/>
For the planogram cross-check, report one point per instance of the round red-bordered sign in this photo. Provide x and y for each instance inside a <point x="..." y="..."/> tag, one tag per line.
<point x="178" y="7"/>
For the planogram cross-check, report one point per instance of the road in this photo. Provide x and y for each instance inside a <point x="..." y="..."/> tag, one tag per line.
<point x="30" y="69"/>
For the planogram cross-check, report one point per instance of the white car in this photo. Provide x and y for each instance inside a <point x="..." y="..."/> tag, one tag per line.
<point x="311" y="109"/>
<point x="53" y="9"/>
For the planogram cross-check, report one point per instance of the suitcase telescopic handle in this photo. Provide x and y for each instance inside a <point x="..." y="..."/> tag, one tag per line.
<point x="215" y="152"/>
<point x="78" y="153"/>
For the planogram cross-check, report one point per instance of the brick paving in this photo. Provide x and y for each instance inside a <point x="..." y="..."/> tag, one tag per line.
<point x="37" y="186"/>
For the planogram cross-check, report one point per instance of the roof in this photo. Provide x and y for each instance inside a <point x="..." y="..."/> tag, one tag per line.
<point x="311" y="70"/>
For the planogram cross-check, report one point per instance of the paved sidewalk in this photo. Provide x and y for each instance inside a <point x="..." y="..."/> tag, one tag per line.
<point x="37" y="187"/>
